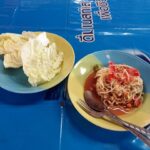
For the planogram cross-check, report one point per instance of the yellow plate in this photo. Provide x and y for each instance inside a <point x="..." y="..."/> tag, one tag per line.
<point x="82" y="69"/>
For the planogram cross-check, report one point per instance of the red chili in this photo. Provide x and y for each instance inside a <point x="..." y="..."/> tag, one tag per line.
<point x="137" y="102"/>
<point x="129" y="105"/>
<point x="111" y="63"/>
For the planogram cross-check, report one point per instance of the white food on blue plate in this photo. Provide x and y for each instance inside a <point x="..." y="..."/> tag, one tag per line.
<point x="39" y="56"/>
<point x="41" y="60"/>
<point x="10" y="45"/>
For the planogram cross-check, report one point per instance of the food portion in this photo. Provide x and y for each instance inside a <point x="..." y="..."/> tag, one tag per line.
<point x="10" y="46"/>
<point x="119" y="86"/>
<point x="10" y="42"/>
<point x="40" y="58"/>
<point x="41" y="38"/>
<point x="41" y="61"/>
<point x="13" y="60"/>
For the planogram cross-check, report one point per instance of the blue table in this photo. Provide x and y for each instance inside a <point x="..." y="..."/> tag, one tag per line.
<point x="52" y="122"/>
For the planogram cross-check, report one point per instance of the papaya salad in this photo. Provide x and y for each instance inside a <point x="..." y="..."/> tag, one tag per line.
<point x="119" y="86"/>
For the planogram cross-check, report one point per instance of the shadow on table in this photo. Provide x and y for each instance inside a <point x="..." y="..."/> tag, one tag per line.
<point x="11" y="98"/>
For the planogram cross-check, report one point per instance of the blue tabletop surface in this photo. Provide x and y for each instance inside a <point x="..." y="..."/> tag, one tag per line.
<point x="52" y="123"/>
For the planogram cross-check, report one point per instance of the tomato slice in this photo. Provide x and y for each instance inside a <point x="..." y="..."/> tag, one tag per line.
<point x="133" y="72"/>
<point x="137" y="102"/>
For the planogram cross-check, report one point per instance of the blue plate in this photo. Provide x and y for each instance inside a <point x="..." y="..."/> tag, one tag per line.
<point x="15" y="80"/>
